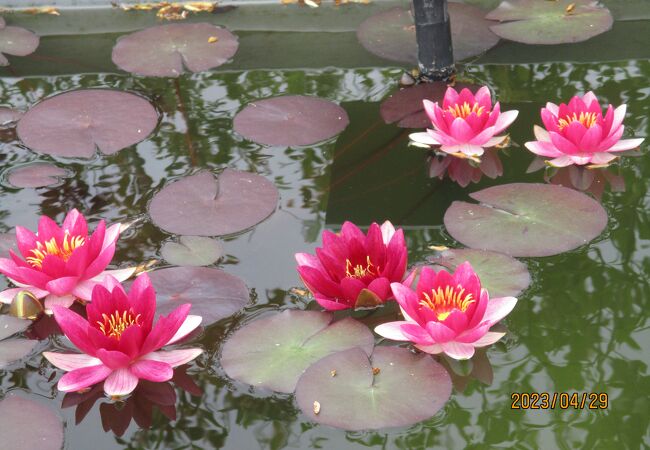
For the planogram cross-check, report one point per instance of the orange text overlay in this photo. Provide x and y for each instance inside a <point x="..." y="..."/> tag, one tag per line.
<point x="559" y="400"/>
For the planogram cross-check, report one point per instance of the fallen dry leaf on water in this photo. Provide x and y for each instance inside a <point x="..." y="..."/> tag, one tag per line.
<point x="42" y="10"/>
<point x="212" y="39"/>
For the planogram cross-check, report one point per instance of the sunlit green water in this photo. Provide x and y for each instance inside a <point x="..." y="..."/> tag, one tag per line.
<point x="582" y="326"/>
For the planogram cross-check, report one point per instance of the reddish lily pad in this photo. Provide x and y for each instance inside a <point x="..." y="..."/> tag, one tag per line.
<point x="16" y="41"/>
<point x="35" y="175"/>
<point x="192" y="251"/>
<point x="213" y="293"/>
<point x="290" y="120"/>
<point x="163" y="50"/>
<point x="391" y="34"/>
<point x="500" y="274"/>
<point x="405" y="106"/>
<point x="12" y="350"/>
<point x="28" y="425"/>
<point x="555" y="22"/>
<point x="201" y="205"/>
<point x="75" y="123"/>
<point x="392" y="388"/>
<point x="10" y="325"/>
<point x="274" y="351"/>
<point x="522" y="219"/>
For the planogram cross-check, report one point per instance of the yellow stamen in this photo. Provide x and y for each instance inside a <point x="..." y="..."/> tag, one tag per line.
<point x="465" y="110"/>
<point x="52" y="247"/>
<point x="360" y="271"/>
<point x="443" y="302"/>
<point x="114" y="325"/>
<point x="588" y="119"/>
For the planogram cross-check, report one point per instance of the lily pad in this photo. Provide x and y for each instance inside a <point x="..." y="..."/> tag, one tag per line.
<point x="213" y="293"/>
<point x="10" y="325"/>
<point x="274" y="351"/>
<point x="163" y="50"/>
<point x="36" y="175"/>
<point x="522" y="219"/>
<point x="16" y="41"/>
<point x="392" y="388"/>
<point x="550" y="22"/>
<point x="75" y="123"/>
<point x="290" y="120"/>
<point x="405" y="106"/>
<point x="500" y="274"/>
<point x="391" y="34"/>
<point x="28" y="424"/>
<point x="12" y="350"/>
<point x="192" y="251"/>
<point x="201" y="205"/>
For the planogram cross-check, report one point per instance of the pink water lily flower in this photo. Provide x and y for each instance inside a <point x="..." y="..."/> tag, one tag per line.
<point x="119" y="340"/>
<point x="447" y="313"/>
<point x="578" y="133"/>
<point x="61" y="263"/>
<point x="353" y="269"/>
<point x="467" y="123"/>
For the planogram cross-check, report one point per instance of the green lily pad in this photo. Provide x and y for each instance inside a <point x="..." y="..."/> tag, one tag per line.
<point x="500" y="274"/>
<point x="274" y="351"/>
<point x="550" y="22"/>
<point x="192" y="251"/>
<point x="391" y="34"/>
<point x="392" y="388"/>
<point x="28" y="424"/>
<point x="526" y="219"/>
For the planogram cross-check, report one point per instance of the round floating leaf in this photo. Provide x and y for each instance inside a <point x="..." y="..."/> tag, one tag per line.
<point x="11" y="325"/>
<point x="36" y="175"/>
<point x="192" y="251"/>
<point x="522" y="219"/>
<point x="550" y="22"/>
<point x="16" y="41"/>
<point x="394" y="388"/>
<point x="391" y="34"/>
<point x="213" y="293"/>
<point x="274" y="351"/>
<point x="9" y="116"/>
<point x="13" y="350"/>
<point x="500" y="274"/>
<point x="29" y="425"/>
<point x="199" y="205"/>
<point x="75" y="123"/>
<point x="163" y="50"/>
<point x="290" y="120"/>
<point x="406" y="108"/>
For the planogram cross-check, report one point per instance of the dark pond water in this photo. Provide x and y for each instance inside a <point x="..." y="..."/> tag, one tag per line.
<point x="582" y="326"/>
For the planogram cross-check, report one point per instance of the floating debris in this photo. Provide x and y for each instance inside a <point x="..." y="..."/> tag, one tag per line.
<point x="42" y="10"/>
<point x="316" y="407"/>
<point x="212" y="39"/>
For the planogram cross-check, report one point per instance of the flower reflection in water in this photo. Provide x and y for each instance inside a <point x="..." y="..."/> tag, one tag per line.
<point x="139" y="407"/>
<point x="465" y="171"/>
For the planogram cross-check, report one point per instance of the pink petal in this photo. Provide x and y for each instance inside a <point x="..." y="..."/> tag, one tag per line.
<point x="602" y="158"/>
<point x="331" y="304"/>
<point x="451" y="97"/>
<point x="151" y="370"/>
<point x="74" y="327"/>
<point x="351" y="287"/>
<point x="562" y="161"/>
<point x="461" y="131"/>
<point x="174" y="358"/>
<point x="496" y="140"/>
<point x="52" y="300"/>
<point x="113" y="359"/>
<point x="440" y="332"/>
<point x="7" y="296"/>
<point x="26" y="241"/>
<point x="541" y="134"/>
<point x="416" y="334"/>
<point x="75" y="224"/>
<point x="625" y="144"/>
<point x="484" y="98"/>
<point x="505" y="119"/>
<point x="543" y="149"/>
<point x="423" y="138"/>
<point x="190" y="324"/>
<point x="458" y="350"/>
<point x="119" y="383"/>
<point x="563" y="144"/>
<point x="48" y="229"/>
<point x="62" y="286"/>
<point x="79" y="379"/>
<point x="381" y="287"/>
<point x="407" y="299"/>
<point x="432" y="349"/>
<point x="120" y="274"/>
<point x="305" y="259"/>
<point x="483" y="137"/>
<point x="498" y="308"/>
<point x="392" y="330"/>
<point x="387" y="232"/>
<point x="488" y="339"/>
<point x="619" y="115"/>
<point x="165" y="329"/>
<point x="553" y="108"/>
<point x="71" y="361"/>
<point x="591" y="139"/>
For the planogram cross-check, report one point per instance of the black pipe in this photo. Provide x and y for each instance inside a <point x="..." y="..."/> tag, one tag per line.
<point x="433" y="33"/>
